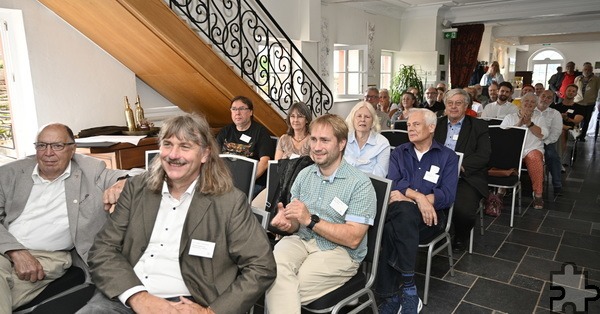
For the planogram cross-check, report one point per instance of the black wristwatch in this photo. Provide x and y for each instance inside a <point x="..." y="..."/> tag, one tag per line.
<point x="530" y="124"/>
<point x="313" y="220"/>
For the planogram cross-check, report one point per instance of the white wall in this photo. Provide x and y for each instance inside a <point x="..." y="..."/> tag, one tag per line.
<point x="576" y="52"/>
<point x="74" y="81"/>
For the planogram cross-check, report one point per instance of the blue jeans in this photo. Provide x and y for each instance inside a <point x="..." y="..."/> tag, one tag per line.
<point x="404" y="229"/>
<point x="554" y="164"/>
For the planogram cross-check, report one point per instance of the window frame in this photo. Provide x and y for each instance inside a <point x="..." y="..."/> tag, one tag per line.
<point x="362" y="72"/>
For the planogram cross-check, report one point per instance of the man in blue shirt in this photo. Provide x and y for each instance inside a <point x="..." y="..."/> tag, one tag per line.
<point x="333" y="204"/>
<point x="425" y="176"/>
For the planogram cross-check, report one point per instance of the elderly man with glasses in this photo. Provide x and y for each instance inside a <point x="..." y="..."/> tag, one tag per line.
<point x="51" y="207"/>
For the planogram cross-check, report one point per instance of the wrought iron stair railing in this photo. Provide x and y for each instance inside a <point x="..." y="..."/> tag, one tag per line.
<point x="246" y="34"/>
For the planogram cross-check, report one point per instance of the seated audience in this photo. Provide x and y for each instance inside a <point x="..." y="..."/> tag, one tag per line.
<point x="480" y="97"/>
<point x="572" y="114"/>
<point x="372" y="97"/>
<point x="425" y="176"/>
<point x="431" y="102"/>
<point x="385" y="104"/>
<point x="440" y="94"/>
<point x="247" y="138"/>
<point x="295" y="142"/>
<point x="492" y="93"/>
<point x="333" y="204"/>
<point x="475" y="108"/>
<point x="526" y="89"/>
<point x="502" y="106"/>
<point x="539" y="89"/>
<point x="469" y="136"/>
<point x="533" y="153"/>
<point x="367" y="150"/>
<point x="182" y="239"/>
<point x="408" y="101"/>
<point x="51" y="207"/>
<point x="554" y="122"/>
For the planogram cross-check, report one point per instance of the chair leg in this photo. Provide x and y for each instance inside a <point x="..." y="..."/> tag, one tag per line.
<point x="428" y="274"/>
<point x="512" y="208"/>
<point x="574" y="151"/>
<point x="481" y="220"/>
<point x="471" y="241"/>
<point x="450" y="260"/>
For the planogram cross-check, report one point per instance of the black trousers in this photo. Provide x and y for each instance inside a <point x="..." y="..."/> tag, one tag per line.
<point x="465" y="209"/>
<point x="589" y="110"/>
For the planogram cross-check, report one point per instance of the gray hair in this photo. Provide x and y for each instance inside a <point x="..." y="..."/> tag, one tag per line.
<point x="350" y="119"/>
<point x="430" y="117"/>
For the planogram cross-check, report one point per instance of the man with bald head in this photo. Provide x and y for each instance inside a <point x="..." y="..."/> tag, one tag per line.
<point x="51" y="207"/>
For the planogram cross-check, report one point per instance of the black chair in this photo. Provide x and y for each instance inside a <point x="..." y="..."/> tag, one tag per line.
<point x="492" y="121"/>
<point x="66" y="294"/>
<point x="272" y="180"/>
<point x="243" y="172"/>
<point x="480" y="210"/>
<point x="507" y="151"/>
<point x="395" y="137"/>
<point x="433" y="248"/>
<point x="400" y="125"/>
<point x="360" y="284"/>
<point x="150" y="154"/>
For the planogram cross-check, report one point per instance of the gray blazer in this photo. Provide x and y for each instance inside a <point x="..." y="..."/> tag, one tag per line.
<point x="240" y="271"/>
<point x="83" y="191"/>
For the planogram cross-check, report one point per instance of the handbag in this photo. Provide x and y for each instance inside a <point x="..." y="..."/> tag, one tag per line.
<point x="497" y="172"/>
<point x="493" y="205"/>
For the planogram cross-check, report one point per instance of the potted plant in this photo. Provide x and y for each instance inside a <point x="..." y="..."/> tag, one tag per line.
<point x="403" y="79"/>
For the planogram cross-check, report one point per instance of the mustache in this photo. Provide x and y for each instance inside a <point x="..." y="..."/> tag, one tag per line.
<point x="175" y="161"/>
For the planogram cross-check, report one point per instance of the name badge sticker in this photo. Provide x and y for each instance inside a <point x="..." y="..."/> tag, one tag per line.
<point x="432" y="175"/>
<point x="455" y="137"/>
<point x="202" y="248"/>
<point x="245" y="138"/>
<point x="339" y="206"/>
<point x="570" y="111"/>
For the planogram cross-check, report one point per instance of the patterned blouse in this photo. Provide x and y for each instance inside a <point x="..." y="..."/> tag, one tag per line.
<point x="286" y="144"/>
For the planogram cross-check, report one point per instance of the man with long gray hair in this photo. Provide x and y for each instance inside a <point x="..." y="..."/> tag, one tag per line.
<point x="181" y="238"/>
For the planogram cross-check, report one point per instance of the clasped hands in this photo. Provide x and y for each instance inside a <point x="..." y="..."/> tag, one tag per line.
<point x="144" y="302"/>
<point x="425" y="207"/>
<point x="289" y="218"/>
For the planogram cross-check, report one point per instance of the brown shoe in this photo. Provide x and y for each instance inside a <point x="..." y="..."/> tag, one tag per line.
<point x="538" y="202"/>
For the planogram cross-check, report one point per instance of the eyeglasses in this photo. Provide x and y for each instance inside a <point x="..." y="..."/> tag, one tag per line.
<point x="40" y="146"/>
<point x="239" y="109"/>
<point x="371" y="97"/>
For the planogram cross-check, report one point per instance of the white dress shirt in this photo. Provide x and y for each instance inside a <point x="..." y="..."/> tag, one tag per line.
<point x="158" y="269"/>
<point x="497" y="111"/>
<point x="553" y="122"/>
<point x="44" y="223"/>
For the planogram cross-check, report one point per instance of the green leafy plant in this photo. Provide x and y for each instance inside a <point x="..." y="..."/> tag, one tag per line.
<point x="405" y="78"/>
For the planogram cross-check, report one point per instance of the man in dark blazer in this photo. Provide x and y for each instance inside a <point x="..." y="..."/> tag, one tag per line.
<point x="431" y="102"/>
<point x="182" y="238"/>
<point x="51" y="207"/>
<point x="469" y="136"/>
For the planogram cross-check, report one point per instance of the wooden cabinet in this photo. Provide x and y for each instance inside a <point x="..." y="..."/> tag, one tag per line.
<point x="122" y="155"/>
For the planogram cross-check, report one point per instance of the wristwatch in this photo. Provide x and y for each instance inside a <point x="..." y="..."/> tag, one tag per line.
<point x="313" y="220"/>
<point x="530" y="124"/>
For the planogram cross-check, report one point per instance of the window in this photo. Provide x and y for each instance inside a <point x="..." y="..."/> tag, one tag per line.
<point x="349" y="70"/>
<point x="543" y="63"/>
<point x="385" y="80"/>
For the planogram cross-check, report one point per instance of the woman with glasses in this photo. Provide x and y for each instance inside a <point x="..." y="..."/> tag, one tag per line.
<point x="367" y="150"/>
<point x="295" y="143"/>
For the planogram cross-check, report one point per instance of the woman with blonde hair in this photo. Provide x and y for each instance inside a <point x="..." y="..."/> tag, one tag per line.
<point x="367" y="150"/>
<point x="493" y="75"/>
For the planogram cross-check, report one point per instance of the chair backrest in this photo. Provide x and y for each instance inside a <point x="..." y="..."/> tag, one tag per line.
<point x="400" y="125"/>
<point x="492" y="121"/>
<point x="150" y="154"/>
<point x="272" y="180"/>
<point x="508" y="144"/>
<point x="243" y="172"/>
<point x="382" y="192"/>
<point x="395" y="137"/>
<point x="274" y="141"/>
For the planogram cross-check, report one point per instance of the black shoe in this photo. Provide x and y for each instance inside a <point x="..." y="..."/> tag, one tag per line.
<point x="558" y="191"/>
<point x="458" y="245"/>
